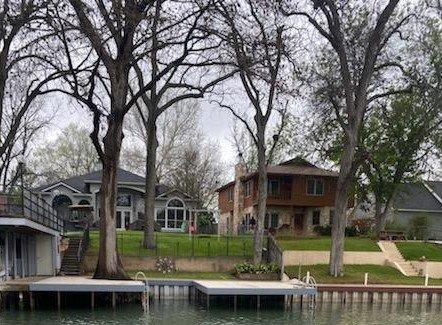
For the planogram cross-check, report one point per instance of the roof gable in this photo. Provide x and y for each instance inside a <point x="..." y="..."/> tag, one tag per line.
<point x="416" y="196"/>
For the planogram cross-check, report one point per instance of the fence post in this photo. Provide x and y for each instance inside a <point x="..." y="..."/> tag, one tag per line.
<point x="208" y="248"/>
<point x="227" y="245"/>
<point x="244" y="248"/>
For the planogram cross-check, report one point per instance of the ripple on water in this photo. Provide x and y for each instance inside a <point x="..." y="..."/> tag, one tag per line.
<point x="182" y="313"/>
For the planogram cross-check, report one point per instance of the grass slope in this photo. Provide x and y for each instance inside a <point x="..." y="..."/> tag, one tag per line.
<point x="178" y="244"/>
<point x="323" y="244"/>
<point x="354" y="274"/>
<point x="413" y="251"/>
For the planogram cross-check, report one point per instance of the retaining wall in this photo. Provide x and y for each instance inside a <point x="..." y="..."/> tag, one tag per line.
<point x="433" y="269"/>
<point x="323" y="257"/>
<point x="186" y="264"/>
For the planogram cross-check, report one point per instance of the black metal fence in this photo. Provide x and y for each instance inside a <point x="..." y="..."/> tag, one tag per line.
<point x="180" y="245"/>
<point x="30" y="206"/>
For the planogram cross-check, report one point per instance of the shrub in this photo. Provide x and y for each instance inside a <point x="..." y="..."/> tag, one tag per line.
<point x="363" y="226"/>
<point x="165" y="265"/>
<point x="246" y="267"/>
<point x="351" y="231"/>
<point x="323" y="230"/>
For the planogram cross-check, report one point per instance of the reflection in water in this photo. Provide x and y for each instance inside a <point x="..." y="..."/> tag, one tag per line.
<point x="181" y="313"/>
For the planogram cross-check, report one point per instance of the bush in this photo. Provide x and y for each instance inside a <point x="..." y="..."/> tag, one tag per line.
<point x="351" y="231"/>
<point x="363" y="226"/>
<point x="249" y="268"/>
<point x="165" y="265"/>
<point x="419" y="227"/>
<point x="323" y="230"/>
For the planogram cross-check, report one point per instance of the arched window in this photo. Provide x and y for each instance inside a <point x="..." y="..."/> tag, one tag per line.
<point x="84" y="202"/>
<point x="176" y="213"/>
<point x="61" y="204"/>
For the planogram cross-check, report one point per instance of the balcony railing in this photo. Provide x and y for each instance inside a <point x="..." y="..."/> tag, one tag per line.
<point x="29" y="206"/>
<point x="281" y="195"/>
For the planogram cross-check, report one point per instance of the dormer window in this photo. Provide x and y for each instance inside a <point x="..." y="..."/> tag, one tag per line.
<point x="315" y="186"/>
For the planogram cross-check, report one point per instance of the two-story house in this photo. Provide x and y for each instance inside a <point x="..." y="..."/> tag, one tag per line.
<point x="300" y="196"/>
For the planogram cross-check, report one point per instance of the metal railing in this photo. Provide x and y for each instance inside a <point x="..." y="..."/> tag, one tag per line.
<point x="30" y="206"/>
<point x="83" y="245"/>
<point x="275" y="254"/>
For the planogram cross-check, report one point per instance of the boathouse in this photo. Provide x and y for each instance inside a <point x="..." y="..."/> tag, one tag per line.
<point x="29" y="236"/>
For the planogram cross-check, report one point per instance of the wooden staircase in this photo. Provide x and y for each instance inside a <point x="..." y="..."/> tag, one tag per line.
<point x="395" y="257"/>
<point x="72" y="258"/>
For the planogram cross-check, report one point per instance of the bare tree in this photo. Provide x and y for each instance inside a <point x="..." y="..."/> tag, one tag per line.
<point x="254" y="36"/>
<point x="119" y="41"/>
<point x="190" y="79"/>
<point x="24" y="76"/>
<point x="358" y="35"/>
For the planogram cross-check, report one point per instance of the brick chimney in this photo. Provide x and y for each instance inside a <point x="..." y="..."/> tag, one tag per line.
<point x="238" y="195"/>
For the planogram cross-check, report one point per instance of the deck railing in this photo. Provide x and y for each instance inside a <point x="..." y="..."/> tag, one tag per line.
<point x="281" y="195"/>
<point x="30" y="206"/>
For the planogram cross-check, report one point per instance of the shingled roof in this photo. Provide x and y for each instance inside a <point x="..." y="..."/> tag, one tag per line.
<point x="295" y="166"/>
<point x="422" y="196"/>
<point x="123" y="176"/>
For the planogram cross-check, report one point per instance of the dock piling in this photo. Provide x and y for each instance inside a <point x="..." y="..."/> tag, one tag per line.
<point x="92" y="300"/>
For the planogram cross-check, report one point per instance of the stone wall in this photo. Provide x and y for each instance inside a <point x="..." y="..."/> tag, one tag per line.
<point x="433" y="269"/>
<point x="323" y="257"/>
<point x="186" y="264"/>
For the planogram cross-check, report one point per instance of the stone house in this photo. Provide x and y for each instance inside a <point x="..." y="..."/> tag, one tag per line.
<point x="300" y="197"/>
<point x="172" y="207"/>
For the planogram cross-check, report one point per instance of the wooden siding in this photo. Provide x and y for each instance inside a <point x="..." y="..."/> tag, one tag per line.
<point x="293" y="192"/>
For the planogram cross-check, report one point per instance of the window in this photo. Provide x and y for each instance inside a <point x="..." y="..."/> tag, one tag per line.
<point x="248" y="188"/>
<point x="271" y="221"/>
<point x="161" y="217"/>
<point x="315" y="186"/>
<point x="273" y="187"/>
<point x="175" y="214"/>
<point x="124" y="200"/>
<point x="230" y="194"/>
<point x="316" y="219"/>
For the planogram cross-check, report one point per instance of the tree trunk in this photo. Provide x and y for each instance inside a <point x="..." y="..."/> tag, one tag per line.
<point x="109" y="264"/>
<point x="262" y="196"/>
<point x="346" y="175"/>
<point x="149" y="200"/>
<point x="381" y="216"/>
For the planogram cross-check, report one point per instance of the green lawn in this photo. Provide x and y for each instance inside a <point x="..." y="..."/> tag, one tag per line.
<point x="178" y="244"/>
<point x="413" y="251"/>
<point x="354" y="274"/>
<point x="353" y="244"/>
<point x="187" y="275"/>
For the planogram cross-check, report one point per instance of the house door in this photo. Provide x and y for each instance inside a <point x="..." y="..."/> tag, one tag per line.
<point x="123" y="219"/>
<point x="126" y="219"/>
<point x="298" y="222"/>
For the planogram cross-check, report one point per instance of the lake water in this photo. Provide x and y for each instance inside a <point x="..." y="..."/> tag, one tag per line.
<point x="181" y="313"/>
